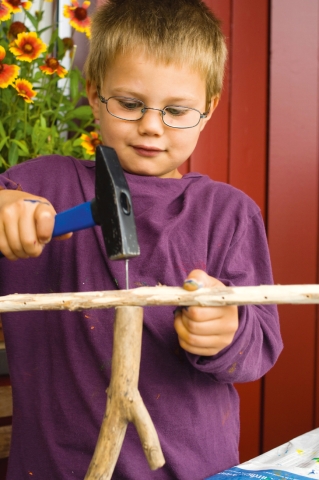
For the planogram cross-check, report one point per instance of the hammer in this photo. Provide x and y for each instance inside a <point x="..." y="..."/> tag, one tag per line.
<point x="111" y="208"/>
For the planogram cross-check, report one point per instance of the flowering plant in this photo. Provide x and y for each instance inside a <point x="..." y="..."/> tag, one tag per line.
<point x="40" y="113"/>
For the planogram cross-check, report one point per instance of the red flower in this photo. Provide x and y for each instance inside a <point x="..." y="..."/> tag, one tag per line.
<point x="8" y="73"/>
<point x="79" y="18"/>
<point x="27" y="46"/>
<point x="24" y="89"/>
<point x="15" y="29"/>
<point x="5" y="11"/>
<point x="53" y="66"/>
<point x="90" y="142"/>
<point x="16" y="5"/>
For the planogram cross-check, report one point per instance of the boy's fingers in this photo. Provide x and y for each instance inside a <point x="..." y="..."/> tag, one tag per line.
<point x="195" y="280"/>
<point x="44" y="222"/>
<point x="4" y="245"/>
<point x="205" y="330"/>
<point x="201" y="315"/>
<point x="35" y="227"/>
<point x="201" y="327"/>
<point x="192" y="341"/>
<point x="29" y="244"/>
<point x="201" y="351"/>
<point x="13" y="248"/>
<point x="64" y="237"/>
<point x="198" y="279"/>
<point x="45" y="219"/>
<point x="26" y="224"/>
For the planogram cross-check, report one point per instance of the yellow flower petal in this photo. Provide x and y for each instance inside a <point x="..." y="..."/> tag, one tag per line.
<point x="2" y="53"/>
<point x="5" y="11"/>
<point x="27" y="46"/>
<point x="8" y="74"/>
<point x="24" y="89"/>
<point x="90" y="142"/>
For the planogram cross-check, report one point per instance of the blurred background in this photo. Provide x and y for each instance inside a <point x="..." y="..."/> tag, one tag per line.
<point x="263" y="139"/>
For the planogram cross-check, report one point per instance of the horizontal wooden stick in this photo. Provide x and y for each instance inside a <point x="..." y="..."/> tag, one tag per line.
<point x="265" y="294"/>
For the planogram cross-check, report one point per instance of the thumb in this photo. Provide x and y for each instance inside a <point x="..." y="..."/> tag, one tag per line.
<point x="199" y="279"/>
<point x="66" y="236"/>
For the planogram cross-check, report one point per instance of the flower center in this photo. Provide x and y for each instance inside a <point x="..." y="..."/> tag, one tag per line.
<point x="80" y="13"/>
<point x="14" y="3"/>
<point x="95" y="142"/>
<point x="68" y="43"/>
<point x="1" y="67"/>
<point x="16" y="28"/>
<point x="52" y="63"/>
<point x="28" y="48"/>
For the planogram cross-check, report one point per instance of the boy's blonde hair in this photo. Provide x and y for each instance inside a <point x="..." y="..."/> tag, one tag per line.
<point x="169" y="31"/>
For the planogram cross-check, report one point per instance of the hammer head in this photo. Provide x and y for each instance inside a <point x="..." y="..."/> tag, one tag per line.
<point x="113" y="206"/>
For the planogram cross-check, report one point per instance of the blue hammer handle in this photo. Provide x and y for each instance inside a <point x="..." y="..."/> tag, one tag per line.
<point x="72" y="220"/>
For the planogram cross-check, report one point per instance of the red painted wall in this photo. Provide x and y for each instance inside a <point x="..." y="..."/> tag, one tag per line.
<point x="233" y="146"/>
<point x="290" y="391"/>
<point x="245" y="140"/>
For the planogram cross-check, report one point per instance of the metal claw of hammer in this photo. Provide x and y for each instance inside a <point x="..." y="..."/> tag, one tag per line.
<point x="111" y="209"/>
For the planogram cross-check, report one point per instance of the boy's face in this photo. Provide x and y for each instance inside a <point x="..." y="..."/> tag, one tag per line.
<point x="148" y="146"/>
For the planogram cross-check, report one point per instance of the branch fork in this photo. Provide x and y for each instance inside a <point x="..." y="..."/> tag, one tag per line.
<point x="124" y="403"/>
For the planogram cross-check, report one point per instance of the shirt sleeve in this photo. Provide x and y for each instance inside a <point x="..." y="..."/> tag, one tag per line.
<point x="257" y="342"/>
<point x="7" y="184"/>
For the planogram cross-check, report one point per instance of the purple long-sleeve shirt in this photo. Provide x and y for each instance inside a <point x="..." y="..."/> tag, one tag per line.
<point x="60" y="361"/>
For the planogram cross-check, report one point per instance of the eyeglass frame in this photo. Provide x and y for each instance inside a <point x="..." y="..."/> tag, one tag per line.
<point x="105" y="100"/>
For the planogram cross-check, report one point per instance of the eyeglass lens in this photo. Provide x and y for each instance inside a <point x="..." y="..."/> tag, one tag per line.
<point x="132" y="109"/>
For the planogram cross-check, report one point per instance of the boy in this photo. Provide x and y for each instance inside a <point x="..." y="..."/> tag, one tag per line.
<point x="154" y="76"/>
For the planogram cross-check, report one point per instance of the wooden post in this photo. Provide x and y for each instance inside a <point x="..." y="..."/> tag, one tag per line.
<point x="124" y="403"/>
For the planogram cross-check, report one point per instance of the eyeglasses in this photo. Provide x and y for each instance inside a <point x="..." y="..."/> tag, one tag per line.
<point x="132" y="110"/>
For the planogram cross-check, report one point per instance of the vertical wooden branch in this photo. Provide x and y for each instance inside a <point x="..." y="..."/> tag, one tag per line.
<point x="124" y="402"/>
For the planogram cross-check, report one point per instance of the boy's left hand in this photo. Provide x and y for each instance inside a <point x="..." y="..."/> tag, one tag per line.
<point x="205" y="331"/>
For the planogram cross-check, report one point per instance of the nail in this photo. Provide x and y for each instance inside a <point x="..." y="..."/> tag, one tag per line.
<point x="192" y="284"/>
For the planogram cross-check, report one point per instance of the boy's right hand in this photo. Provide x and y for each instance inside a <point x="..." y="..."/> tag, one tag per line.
<point x="26" y="224"/>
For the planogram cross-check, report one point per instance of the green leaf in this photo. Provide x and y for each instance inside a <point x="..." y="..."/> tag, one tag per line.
<point x="3" y="142"/>
<point x="3" y="164"/>
<point x="39" y="136"/>
<point x="83" y="113"/>
<point x="77" y="142"/>
<point x="13" y="154"/>
<point x="67" y="148"/>
<point x="47" y="114"/>
<point x="22" y="145"/>
<point x="2" y="131"/>
<point x="74" y="84"/>
<point x="43" y="123"/>
<point x="32" y="19"/>
<point x="37" y="76"/>
<point x="21" y="153"/>
<point x="6" y="96"/>
<point x="61" y="49"/>
<point x="44" y="30"/>
<point x="19" y="132"/>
